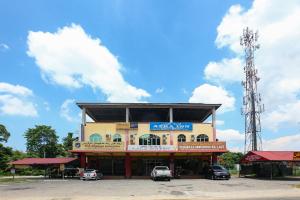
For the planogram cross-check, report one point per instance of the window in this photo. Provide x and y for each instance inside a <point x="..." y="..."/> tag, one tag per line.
<point x="202" y="138"/>
<point x="95" y="138"/>
<point x="181" y="138"/>
<point x="117" y="138"/>
<point x="149" y="139"/>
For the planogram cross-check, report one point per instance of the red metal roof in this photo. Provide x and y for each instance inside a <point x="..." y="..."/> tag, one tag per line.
<point x="42" y="161"/>
<point x="254" y="156"/>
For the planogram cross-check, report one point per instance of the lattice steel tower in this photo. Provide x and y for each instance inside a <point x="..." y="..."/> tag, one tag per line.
<point x="252" y="107"/>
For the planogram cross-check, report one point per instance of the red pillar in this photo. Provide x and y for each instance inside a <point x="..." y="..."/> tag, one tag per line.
<point x="171" y="158"/>
<point x="82" y="160"/>
<point x="128" y="166"/>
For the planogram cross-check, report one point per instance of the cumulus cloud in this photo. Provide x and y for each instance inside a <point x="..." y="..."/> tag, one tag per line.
<point x="14" y="100"/>
<point x="277" y="60"/>
<point x="66" y="111"/>
<point x="228" y="70"/>
<point x="290" y="142"/>
<point x="72" y="58"/>
<point x="207" y="93"/>
<point x="234" y="139"/>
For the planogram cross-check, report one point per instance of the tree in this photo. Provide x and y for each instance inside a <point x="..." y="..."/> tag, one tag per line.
<point x="41" y="141"/>
<point x="5" y="156"/>
<point x="4" y="134"/>
<point x="229" y="159"/>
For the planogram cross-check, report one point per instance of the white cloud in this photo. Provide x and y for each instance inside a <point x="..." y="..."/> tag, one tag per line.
<point x="230" y="135"/>
<point x="72" y="58"/>
<point x="66" y="111"/>
<point x="46" y="106"/>
<point x="290" y="142"/>
<point x="220" y="122"/>
<point x="277" y="60"/>
<point x="228" y="70"/>
<point x="234" y="139"/>
<point x="4" y="47"/>
<point x="159" y="90"/>
<point x="207" y="93"/>
<point x="14" y="100"/>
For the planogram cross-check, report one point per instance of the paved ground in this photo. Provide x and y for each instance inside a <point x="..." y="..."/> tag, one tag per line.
<point x="182" y="189"/>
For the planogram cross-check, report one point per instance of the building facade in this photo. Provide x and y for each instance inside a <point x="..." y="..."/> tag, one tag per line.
<point x="129" y="139"/>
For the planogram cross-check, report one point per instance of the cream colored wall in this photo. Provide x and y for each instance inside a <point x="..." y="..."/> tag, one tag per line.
<point x="102" y="129"/>
<point x="143" y="128"/>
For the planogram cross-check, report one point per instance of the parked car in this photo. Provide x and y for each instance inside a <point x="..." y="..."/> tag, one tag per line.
<point x="161" y="172"/>
<point x="90" y="174"/>
<point x="217" y="172"/>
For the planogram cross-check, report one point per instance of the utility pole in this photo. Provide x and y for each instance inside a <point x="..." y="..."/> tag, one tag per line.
<point x="252" y="107"/>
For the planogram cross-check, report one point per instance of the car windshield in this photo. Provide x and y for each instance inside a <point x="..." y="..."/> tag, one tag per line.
<point x="217" y="167"/>
<point x="162" y="168"/>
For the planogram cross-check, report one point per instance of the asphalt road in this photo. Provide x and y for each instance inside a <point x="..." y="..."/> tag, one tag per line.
<point x="183" y="189"/>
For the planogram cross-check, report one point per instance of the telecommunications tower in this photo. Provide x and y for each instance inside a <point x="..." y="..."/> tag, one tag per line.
<point x="252" y="107"/>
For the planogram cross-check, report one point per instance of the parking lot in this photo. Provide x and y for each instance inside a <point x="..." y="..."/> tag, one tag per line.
<point x="236" y="188"/>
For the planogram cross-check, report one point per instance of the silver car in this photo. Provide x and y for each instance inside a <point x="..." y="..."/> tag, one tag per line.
<point x="90" y="174"/>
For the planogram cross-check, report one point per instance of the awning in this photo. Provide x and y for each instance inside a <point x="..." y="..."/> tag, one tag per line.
<point x="42" y="161"/>
<point x="260" y="156"/>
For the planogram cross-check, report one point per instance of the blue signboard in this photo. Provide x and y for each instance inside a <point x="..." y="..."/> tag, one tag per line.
<point x="171" y="126"/>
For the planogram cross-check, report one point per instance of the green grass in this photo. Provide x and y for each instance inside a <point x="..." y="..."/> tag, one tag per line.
<point x="297" y="186"/>
<point x="11" y="180"/>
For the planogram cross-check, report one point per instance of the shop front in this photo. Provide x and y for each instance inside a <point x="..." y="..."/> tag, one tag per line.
<point x="129" y="140"/>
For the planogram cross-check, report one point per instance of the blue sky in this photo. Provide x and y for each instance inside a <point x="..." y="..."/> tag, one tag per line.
<point x="53" y="53"/>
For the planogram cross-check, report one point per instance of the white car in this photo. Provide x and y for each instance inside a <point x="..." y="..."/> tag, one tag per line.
<point x="90" y="174"/>
<point x="161" y="172"/>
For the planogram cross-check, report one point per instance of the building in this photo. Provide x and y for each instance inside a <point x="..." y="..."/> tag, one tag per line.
<point x="129" y="139"/>
<point x="269" y="164"/>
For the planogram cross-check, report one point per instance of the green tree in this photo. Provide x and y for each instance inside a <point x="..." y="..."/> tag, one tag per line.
<point x="5" y="156"/>
<point x="42" y="141"/>
<point x="4" y="134"/>
<point x="229" y="159"/>
<point x="68" y="141"/>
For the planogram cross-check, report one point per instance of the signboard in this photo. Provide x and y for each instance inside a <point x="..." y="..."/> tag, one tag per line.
<point x="99" y="146"/>
<point x="12" y="170"/>
<point x="201" y="146"/>
<point x="151" y="148"/>
<point x="171" y="126"/>
<point x="123" y="126"/>
<point x="296" y="156"/>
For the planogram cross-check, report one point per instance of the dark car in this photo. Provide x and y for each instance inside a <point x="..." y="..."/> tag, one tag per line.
<point x="217" y="172"/>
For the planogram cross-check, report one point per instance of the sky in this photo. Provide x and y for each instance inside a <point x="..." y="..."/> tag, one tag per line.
<point x="56" y="53"/>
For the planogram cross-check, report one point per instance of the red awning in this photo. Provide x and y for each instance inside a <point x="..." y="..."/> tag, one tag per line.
<point x="255" y="156"/>
<point x="42" y="161"/>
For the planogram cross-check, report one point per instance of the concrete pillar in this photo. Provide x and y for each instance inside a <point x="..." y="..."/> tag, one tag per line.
<point x="171" y="114"/>
<point x="214" y="123"/>
<point x="83" y="123"/>
<point x="127" y="115"/>
<point x="127" y="166"/>
<point x="83" y="160"/>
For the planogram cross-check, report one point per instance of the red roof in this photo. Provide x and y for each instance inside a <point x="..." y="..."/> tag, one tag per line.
<point x="254" y="156"/>
<point x="42" y="161"/>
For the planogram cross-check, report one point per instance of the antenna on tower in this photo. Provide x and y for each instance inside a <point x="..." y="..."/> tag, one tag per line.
<point x="252" y="106"/>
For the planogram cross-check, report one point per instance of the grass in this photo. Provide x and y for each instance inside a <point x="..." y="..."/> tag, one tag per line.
<point x="297" y="186"/>
<point x="11" y="180"/>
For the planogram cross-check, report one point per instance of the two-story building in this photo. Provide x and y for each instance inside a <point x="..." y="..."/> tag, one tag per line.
<point x="129" y="139"/>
